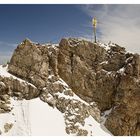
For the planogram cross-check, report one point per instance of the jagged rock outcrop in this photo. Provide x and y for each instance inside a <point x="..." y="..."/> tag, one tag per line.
<point x="20" y="89"/>
<point x="90" y="69"/>
<point x="124" y="118"/>
<point x="30" y="62"/>
<point x="80" y="66"/>
<point x="4" y="98"/>
<point x="35" y="63"/>
<point x="104" y="74"/>
<point x="112" y="81"/>
<point x="11" y="86"/>
<point x="58" y="94"/>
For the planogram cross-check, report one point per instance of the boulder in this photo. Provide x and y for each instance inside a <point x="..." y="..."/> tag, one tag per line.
<point x="30" y="61"/>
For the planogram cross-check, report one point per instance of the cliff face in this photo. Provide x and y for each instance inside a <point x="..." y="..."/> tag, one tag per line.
<point x="105" y="75"/>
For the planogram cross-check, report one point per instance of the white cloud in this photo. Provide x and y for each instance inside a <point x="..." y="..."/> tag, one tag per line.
<point x="118" y="23"/>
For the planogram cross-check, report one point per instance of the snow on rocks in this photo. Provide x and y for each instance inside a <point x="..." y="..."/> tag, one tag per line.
<point x="24" y="119"/>
<point x="17" y="86"/>
<point x="67" y="110"/>
<point x="105" y="46"/>
<point x="4" y="73"/>
<point x="94" y="128"/>
<point x="121" y="71"/>
<point x="75" y="110"/>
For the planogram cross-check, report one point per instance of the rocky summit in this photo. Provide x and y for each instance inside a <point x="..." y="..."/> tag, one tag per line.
<point x="81" y="79"/>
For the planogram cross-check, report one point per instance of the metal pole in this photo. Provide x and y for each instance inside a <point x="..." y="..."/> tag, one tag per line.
<point x="94" y="23"/>
<point x="94" y="28"/>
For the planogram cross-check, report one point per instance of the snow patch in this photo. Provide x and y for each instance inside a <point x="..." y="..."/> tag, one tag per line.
<point x="121" y="71"/>
<point x="106" y="47"/>
<point x="104" y="62"/>
<point x="105" y="115"/>
<point x="50" y="45"/>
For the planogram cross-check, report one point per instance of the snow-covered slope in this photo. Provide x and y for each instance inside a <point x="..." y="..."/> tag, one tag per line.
<point x="34" y="117"/>
<point x="45" y="120"/>
<point x="18" y="117"/>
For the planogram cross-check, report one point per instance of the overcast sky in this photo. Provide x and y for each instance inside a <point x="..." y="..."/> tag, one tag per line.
<point x="44" y="23"/>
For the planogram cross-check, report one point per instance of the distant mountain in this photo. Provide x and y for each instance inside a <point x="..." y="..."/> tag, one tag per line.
<point x="89" y="89"/>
